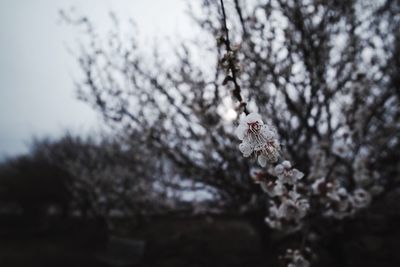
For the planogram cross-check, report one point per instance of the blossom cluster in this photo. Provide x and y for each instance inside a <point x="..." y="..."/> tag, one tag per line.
<point x="290" y="193"/>
<point x="337" y="201"/>
<point x="287" y="205"/>
<point x="258" y="139"/>
<point x="294" y="258"/>
<point x="330" y="186"/>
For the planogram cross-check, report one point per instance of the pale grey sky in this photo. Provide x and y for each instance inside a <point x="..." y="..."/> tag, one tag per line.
<point x="36" y="87"/>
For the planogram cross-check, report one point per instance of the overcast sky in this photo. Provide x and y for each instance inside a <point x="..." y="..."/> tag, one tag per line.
<point x="37" y="95"/>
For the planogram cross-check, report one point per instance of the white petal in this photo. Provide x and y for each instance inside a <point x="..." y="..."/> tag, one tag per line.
<point x="294" y="195"/>
<point x="297" y="174"/>
<point x="278" y="189"/>
<point x="253" y="117"/>
<point x="286" y="164"/>
<point x="246" y="149"/>
<point x="262" y="160"/>
<point x="287" y="179"/>
<point x="342" y="191"/>
<point x="279" y="169"/>
<point x="267" y="133"/>
<point x="243" y="119"/>
<point x="241" y="131"/>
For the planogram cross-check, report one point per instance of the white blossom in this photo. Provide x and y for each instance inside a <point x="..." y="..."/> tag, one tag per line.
<point x="250" y="124"/>
<point x="272" y="188"/>
<point x="287" y="174"/>
<point x="268" y="183"/>
<point x="340" y="206"/>
<point x="258" y="139"/>
<point x="293" y="210"/>
<point x="273" y="220"/>
<point x="287" y="214"/>
<point x="322" y="187"/>
<point x="338" y="203"/>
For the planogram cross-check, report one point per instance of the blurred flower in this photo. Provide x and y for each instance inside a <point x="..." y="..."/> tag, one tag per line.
<point x="272" y="188"/>
<point x="268" y="183"/>
<point x="287" y="174"/>
<point x="293" y="210"/>
<point x="361" y="198"/>
<point x="295" y="259"/>
<point x="288" y="214"/>
<point x="340" y="204"/>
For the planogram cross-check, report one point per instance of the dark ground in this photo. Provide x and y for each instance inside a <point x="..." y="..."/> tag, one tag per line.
<point x="178" y="242"/>
<point x="373" y="240"/>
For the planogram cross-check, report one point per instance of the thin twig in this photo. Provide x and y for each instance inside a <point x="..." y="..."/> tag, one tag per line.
<point x="237" y="91"/>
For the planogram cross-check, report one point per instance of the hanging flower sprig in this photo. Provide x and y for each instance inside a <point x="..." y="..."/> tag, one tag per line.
<point x="260" y="140"/>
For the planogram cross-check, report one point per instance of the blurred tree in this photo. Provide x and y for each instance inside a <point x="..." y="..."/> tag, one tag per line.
<point x="107" y="179"/>
<point x="324" y="73"/>
<point x="84" y="177"/>
<point x="33" y="186"/>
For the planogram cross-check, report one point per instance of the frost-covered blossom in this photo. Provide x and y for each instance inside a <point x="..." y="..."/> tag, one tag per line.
<point x="294" y="258"/>
<point x="258" y="139"/>
<point x="287" y="174"/>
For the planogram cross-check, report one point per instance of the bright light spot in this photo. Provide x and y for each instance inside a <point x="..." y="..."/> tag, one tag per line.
<point x="230" y="114"/>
